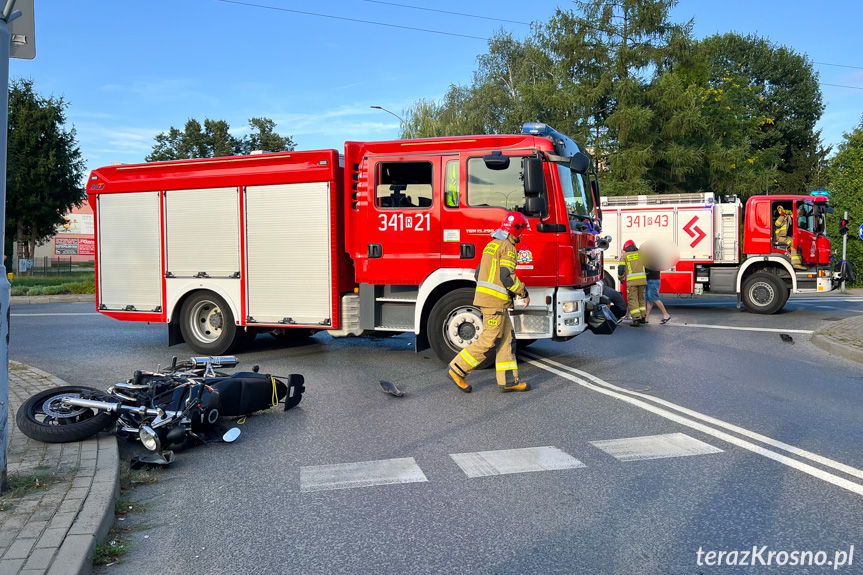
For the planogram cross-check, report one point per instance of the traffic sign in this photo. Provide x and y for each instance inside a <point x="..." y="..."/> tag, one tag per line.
<point x="860" y="232"/>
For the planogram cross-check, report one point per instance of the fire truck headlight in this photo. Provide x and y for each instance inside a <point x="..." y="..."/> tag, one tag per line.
<point x="570" y="307"/>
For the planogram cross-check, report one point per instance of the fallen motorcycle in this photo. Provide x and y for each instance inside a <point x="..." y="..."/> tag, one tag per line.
<point x="163" y="409"/>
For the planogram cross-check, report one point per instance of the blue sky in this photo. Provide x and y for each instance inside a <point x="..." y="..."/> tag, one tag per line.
<point x="130" y="69"/>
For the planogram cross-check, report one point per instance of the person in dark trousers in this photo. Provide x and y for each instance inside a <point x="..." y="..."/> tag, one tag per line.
<point x="632" y="269"/>
<point x="651" y="296"/>
<point x="496" y="286"/>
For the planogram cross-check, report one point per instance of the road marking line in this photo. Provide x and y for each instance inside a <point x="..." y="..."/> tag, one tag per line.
<point x="654" y="447"/>
<point x="361" y="474"/>
<point x="505" y="461"/>
<point x="48" y="314"/>
<point x="826" y="307"/>
<point x="717" y="422"/>
<point x="767" y="329"/>
<point x="606" y="388"/>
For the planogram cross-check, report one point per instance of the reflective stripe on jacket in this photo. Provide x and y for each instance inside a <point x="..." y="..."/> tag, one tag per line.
<point x="496" y="282"/>
<point x="635" y="274"/>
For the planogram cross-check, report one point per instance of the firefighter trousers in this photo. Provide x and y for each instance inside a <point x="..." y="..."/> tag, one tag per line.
<point x="635" y="302"/>
<point x="498" y="336"/>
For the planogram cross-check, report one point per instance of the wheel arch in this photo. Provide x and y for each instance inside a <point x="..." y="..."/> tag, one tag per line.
<point x="767" y="264"/>
<point x="433" y="288"/>
<point x="185" y="292"/>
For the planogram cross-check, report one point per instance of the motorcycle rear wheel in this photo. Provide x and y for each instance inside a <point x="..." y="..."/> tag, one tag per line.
<point x="44" y="418"/>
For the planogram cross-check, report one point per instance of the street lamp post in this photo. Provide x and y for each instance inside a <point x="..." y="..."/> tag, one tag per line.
<point x="403" y="123"/>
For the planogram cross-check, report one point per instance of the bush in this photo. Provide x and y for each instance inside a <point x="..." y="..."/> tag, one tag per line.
<point x="81" y="287"/>
<point x="19" y="290"/>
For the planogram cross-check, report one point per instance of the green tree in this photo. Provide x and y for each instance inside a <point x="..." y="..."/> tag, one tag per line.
<point x="846" y="193"/>
<point x="214" y="139"/>
<point x="264" y="137"/>
<point x="783" y="88"/>
<point x="44" y="167"/>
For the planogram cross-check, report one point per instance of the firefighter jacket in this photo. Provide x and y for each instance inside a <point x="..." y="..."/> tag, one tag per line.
<point x="635" y="274"/>
<point x="783" y="227"/>
<point x="496" y="282"/>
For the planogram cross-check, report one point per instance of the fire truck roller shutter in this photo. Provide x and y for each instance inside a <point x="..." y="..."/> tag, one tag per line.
<point x="130" y="274"/>
<point x="288" y="254"/>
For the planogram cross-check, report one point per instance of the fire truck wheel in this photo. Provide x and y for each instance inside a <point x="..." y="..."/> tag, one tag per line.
<point x="764" y="292"/>
<point x="208" y="325"/>
<point x="454" y="323"/>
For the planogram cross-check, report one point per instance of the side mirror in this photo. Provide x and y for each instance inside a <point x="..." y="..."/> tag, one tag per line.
<point x="579" y="163"/>
<point x="535" y="205"/>
<point x="496" y="161"/>
<point x="534" y="178"/>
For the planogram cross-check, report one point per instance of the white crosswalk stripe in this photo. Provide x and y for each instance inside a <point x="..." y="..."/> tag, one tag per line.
<point x="654" y="447"/>
<point x="505" y="461"/>
<point x="360" y="474"/>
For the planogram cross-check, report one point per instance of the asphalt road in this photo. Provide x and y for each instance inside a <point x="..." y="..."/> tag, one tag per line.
<point x="737" y="439"/>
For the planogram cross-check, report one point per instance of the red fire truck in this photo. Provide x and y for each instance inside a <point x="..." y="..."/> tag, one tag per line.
<point x="381" y="240"/>
<point x="707" y="233"/>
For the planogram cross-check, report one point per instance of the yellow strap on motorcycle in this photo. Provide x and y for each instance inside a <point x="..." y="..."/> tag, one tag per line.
<point x="275" y="398"/>
<point x="241" y="421"/>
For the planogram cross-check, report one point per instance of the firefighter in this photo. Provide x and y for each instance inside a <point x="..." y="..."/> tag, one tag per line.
<point x="785" y="236"/>
<point x="636" y="280"/>
<point x="496" y="285"/>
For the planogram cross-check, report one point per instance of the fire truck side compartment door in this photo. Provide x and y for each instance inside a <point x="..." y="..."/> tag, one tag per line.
<point x="130" y="267"/>
<point x="288" y="254"/>
<point x="202" y="232"/>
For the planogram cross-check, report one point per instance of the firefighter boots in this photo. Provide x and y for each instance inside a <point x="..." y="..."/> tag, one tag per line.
<point x="460" y="382"/>
<point x="518" y="386"/>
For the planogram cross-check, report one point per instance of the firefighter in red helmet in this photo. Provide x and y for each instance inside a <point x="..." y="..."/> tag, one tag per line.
<point x="496" y="285"/>
<point x="632" y="269"/>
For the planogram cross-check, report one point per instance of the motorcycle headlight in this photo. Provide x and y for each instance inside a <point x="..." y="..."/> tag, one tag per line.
<point x="149" y="438"/>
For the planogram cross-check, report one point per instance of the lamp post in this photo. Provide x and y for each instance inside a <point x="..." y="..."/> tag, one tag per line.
<point x="403" y="123"/>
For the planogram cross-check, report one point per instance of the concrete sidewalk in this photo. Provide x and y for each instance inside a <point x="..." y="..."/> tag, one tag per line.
<point x="54" y="529"/>
<point x="843" y="338"/>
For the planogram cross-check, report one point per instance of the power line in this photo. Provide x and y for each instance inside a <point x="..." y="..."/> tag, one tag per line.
<point x="447" y="12"/>
<point x="839" y="65"/>
<point x="249" y="4"/>
<point x="841" y="86"/>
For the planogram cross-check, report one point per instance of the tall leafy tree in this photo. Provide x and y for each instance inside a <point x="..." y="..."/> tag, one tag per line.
<point x="846" y="193"/>
<point x="214" y="139"/>
<point x="44" y="178"/>
<point x="785" y="89"/>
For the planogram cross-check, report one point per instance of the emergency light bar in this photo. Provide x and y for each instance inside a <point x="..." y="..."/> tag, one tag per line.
<point x="820" y="193"/>
<point x="563" y="145"/>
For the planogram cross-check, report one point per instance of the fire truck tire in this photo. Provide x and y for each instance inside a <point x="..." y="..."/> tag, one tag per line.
<point x="764" y="293"/>
<point x="207" y="325"/>
<point x="454" y="322"/>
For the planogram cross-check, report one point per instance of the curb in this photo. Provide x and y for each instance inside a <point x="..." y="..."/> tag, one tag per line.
<point x="837" y="348"/>
<point x="63" y="298"/>
<point x="58" y="537"/>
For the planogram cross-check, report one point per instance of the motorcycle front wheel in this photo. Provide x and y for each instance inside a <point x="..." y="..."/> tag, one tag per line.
<point x="43" y="417"/>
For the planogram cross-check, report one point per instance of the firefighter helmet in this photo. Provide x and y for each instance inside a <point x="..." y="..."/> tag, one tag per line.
<point x="629" y="244"/>
<point x="515" y="223"/>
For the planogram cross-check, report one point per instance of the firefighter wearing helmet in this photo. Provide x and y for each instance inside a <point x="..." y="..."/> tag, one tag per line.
<point x="496" y="285"/>
<point x="785" y="236"/>
<point x="632" y="268"/>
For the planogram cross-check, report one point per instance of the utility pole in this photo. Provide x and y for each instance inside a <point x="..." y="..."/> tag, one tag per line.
<point x="17" y="40"/>
<point x="844" y="253"/>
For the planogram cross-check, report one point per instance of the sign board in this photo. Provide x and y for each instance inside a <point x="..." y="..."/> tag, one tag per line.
<point x="23" y="31"/>
<point x="86" y="247"/>
<point x="24" y="265"/>
<point x="77" y="224"/>
<point x="66" y="246"/>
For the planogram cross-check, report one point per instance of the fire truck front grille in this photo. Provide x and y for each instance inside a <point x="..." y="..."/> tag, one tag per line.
<point x="532" y="324"/>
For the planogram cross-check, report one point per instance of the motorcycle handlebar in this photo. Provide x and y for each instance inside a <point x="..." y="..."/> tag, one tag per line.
<point x="215" y="361"/>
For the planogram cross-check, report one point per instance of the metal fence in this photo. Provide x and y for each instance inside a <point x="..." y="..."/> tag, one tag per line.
<point x="47" y="265"/>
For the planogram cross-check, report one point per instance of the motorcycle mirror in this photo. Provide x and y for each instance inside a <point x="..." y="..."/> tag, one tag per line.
<point x="231" y="435"/>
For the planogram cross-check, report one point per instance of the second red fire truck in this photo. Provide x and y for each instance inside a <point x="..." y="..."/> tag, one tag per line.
<point x="713" y="259"/>
<point x="382" y="239"/>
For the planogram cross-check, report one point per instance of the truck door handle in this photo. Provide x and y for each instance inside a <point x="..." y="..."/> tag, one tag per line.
<point x="376" y="251"/>
<point x="467" y="251"/>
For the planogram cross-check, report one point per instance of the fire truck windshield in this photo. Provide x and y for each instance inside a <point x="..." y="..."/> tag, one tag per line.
<point x="576" y="194"/>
